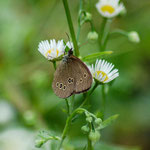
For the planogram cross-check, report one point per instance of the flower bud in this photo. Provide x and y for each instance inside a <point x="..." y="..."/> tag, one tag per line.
<point x="85" y="129"/>
<point x="134" y="37"/>
<point x="123" y="12"/>
<point x="92" y="35"/>
<point x="94" y="136"/>
<point x="89" y="119"/>
<point x="88" y="16"/>
<point x="98" y="121"/>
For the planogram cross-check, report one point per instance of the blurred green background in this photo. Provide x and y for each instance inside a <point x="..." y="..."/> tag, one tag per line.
<point x="27" y="102"/>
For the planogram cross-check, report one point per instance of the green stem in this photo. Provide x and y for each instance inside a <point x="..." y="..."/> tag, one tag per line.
<point x="103" y="101"/>
<point x="72" y="103"/>
<point x="119" y="31"/>
<point x="92" y="26"/>
<point x="89" y="5"/>
<point x="68" y="107"/>
<point x="103" y="35"/>
<point x="87" y="95"/>
<point x="106" y="32"/>
<point x="79" y="19"/>
<point x="102" y="31"/>
<point x="90" y="147"/>
<point x="69" y="119"/>
<point x="78" y="33"/>
<point x="71" y="28"/>
<point x="67" y="125"/>
<point x="54" y="64"/>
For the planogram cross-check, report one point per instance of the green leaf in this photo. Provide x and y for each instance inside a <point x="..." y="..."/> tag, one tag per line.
<point x="96" y="55"/>
<point x="43" y="137"/>
<point x="108" y="121"/>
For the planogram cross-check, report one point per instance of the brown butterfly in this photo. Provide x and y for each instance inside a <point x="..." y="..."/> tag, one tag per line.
<point x="72" y="76"/>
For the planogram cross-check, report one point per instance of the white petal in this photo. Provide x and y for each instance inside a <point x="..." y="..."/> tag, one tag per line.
<point x="112" y="78"/>
<point x="70" y="45"/>
<point x="45" y="46"/>
<point x="112" y="72"/>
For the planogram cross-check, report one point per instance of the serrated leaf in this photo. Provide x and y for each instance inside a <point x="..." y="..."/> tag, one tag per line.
<point x="108" y="121"/>
<point x="96" y="55"/>
<point x="43" y="137"/>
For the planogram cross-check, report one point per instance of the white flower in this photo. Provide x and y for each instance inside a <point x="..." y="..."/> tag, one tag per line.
<point x="16" y="139"/>
<point x="70" y="45"/>
<point x="102" y="71"/>
<point x="51" y="50"/>
<point x="109" y="8"/>
<point x="19" y="139"/>
<point x="7" y="113"/>
<point x="134" y="37"/>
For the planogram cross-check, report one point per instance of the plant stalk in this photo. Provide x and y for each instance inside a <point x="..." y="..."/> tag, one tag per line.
<point x="71" y="28"/>
<point x="103" y="35"/>
<point x="79" y="19"/>
<point x="72" y="103"/>
<point x="87" y="95"/>
<point x="119" y="31"/>
<point x="54" y="64"/>
<point x="79" y="109"/>
<point x="103" y="101"/>
<point x="68" y="107"/>
<point x="90" y="147"/>
<point x="67" y="125"/>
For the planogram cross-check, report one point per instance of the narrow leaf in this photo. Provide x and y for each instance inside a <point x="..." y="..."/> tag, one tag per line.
<point x="108" y="121"/>
<point x="96" y="55"/>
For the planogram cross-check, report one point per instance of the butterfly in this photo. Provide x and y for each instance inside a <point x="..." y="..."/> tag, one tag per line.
<point x="72" y="76"/>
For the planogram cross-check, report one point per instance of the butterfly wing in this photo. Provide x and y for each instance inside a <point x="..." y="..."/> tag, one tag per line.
<point x="82" y="76"/>
<point x="63" y="82"/>
<point x="71" y="77"/>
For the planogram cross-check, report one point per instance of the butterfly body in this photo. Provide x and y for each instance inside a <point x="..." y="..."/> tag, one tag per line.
<point x="71" y="77"/>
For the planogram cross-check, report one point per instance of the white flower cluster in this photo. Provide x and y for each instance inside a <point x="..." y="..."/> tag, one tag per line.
<point x="109" y="8"/>
<point x="102" y="71"/>
<point x="52" y="49"/>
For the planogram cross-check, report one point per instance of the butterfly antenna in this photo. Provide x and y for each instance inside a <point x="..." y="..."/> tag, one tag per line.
<point x="68" y="36"/>
<point x="69" y="40"/>
<point x="70" y="52"/>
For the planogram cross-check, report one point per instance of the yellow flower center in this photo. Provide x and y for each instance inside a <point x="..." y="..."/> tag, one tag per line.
<point x="57" y="52"/>
<point x="107" y="8"/>
<point x="48" y="52"/>
<point x="103" y="74"/>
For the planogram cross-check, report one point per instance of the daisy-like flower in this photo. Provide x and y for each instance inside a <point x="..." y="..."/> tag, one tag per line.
<point x="103" y="71"/>
<point x="109" y="8"/>
<point x="51" y="50"/>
